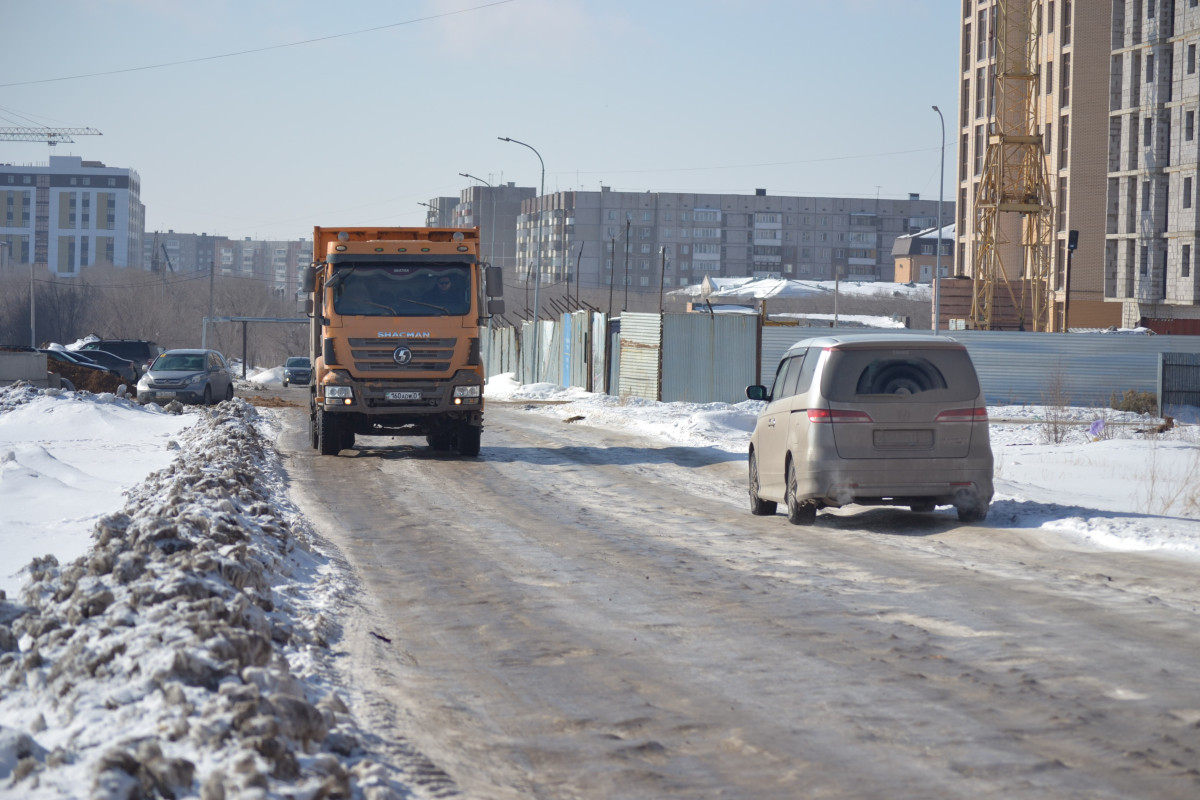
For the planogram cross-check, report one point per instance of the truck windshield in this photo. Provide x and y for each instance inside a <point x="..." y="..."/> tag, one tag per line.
<point x="381" y="290"/>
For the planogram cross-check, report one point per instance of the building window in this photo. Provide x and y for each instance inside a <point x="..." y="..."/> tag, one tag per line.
<point x="1144" y="262"/>
<point x="1050" y="17"/>
<point x="1049" y="77"/>
<point x="1065" y="92"/>
<point x="1147" y="131"/>
<point x="1187" y="192"/>
<point x="1185" y="261"/>
<point x="1066" y="22"/>
<point x="1145" y="195"/>
<point x="1191" y="59"/>
<point x="1150" y="68"/>
<point x="1189" y="125"/>
<point x="1064" y="137"/>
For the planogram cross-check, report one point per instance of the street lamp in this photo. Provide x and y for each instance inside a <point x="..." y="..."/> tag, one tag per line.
<point x="538" y="260"/>
<point x="937" y="261"/>
<point x="492" y="246"/>
<point x="491" y="250"/>
<point x="427" y="215"/>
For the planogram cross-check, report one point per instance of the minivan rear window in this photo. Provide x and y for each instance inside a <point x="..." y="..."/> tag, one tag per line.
<point x="925" y="375"/>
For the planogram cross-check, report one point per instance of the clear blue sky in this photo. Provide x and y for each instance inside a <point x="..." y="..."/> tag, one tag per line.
<point x="289" y="113"/>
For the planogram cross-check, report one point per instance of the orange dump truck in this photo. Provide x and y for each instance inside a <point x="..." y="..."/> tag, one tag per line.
<point x="394" y="337"/>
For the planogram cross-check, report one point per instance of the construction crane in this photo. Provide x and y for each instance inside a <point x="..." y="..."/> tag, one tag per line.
<point x="50" y="136"/>
<point x="1014" y="209"/>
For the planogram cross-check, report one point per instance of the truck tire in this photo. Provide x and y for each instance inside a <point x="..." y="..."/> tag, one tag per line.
<point x="329" y="435"/>
<point x="347" y="437"/>
<point x="468" y="440"/>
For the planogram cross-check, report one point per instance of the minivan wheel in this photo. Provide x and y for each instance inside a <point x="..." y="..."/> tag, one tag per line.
<point x="799" y="513"/>
<point x="972" y="511"/>
<point x="758" y="506"/>
<point x="207" y="396"/>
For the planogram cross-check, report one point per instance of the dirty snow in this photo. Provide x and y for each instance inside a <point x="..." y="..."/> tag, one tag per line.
<point x="169" y="611"/>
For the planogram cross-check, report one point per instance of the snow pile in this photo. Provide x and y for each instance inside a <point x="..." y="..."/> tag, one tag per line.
<point x="185" y="654"/>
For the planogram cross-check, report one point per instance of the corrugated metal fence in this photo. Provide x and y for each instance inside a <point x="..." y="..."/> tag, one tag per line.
<point x="712" y="358"/>
<point x="1179" y="377"/>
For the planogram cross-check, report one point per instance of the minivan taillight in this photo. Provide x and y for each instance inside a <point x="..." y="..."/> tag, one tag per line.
<point x="834" y="415"/>
<point x="977" y="414"/>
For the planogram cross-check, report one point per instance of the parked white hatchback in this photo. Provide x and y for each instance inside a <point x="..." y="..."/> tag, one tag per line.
<point x="872" y="419"/>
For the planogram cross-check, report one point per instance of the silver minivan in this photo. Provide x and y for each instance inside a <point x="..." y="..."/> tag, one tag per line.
<point x="872" y="419"/>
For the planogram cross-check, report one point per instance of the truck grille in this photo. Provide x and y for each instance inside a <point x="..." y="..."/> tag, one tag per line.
<point x="428" y="355"/>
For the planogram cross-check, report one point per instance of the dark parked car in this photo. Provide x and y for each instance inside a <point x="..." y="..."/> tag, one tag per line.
<point x="122" y="366"/>
<point x="297" y="369"/>
<point x="189" y="376"/>
<point x="67" y="357"/>
<point x="140" y="351"/>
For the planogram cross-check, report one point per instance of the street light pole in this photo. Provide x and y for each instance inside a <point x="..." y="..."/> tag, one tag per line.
<point x="537" y="309"/>
<point x="492" y="246"/>
<point x="937" y="261"/>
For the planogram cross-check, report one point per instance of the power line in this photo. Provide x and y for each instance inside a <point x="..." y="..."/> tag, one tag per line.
<point x="257" y="49"/>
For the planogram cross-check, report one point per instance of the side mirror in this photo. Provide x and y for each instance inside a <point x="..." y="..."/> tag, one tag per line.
<point x="308" y="305"/>
<point x="756" y="392"/>
<point x="495" y="282"/>
<point x="308" y="276"/>
<point x="495" y="307"/>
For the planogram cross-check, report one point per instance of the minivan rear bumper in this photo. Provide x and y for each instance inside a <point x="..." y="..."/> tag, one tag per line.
<point x="896" y="482"/>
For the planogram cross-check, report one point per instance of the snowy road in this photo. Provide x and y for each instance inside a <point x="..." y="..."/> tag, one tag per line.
<point x="583" y="613"/>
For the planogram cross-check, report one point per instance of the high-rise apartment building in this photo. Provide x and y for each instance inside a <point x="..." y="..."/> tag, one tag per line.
<point x="1115" y="93"/>
<point x="607" y="237"/>
<point x="70" y="214"/>
<point x="1152" y="160"/>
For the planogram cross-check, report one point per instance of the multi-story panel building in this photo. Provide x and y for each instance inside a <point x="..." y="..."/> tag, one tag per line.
<point x="439" y="212"/>
<point x="71" y="214"/>
<point x="606" y="237"/>
<point x="494" y="210"/>
<point x="180" y="252"/>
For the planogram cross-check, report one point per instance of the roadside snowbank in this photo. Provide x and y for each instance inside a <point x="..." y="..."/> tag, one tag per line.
<point x="186" y="653"/>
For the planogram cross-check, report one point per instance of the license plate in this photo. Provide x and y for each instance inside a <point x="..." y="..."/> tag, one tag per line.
<point x="167" y="395"/>
<point x="403" y="396"/>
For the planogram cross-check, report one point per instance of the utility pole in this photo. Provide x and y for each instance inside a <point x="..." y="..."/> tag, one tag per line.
<point x="612" y="273"/>
<point x="937" y="261"/>
<point x="662" y="277"/>
<point x="626" y="304"/>
<point x="212" y="269"/>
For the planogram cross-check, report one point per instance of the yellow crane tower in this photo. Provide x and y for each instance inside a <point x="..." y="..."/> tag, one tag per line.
<point x="50" y="136"/>
<point x="1014" y="209"/>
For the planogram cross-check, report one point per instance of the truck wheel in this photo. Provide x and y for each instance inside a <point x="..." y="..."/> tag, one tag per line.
<point x="347" y="438"/>
<point x="468" y="440"/>
<point x="328" y="434"/>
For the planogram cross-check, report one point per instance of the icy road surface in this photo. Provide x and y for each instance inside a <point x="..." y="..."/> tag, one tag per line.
<point x="581" y="612"/>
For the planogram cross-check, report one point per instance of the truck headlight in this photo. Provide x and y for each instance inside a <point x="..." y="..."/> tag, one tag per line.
<point x="466" y="391"/>
<point x="339" y="392"/>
